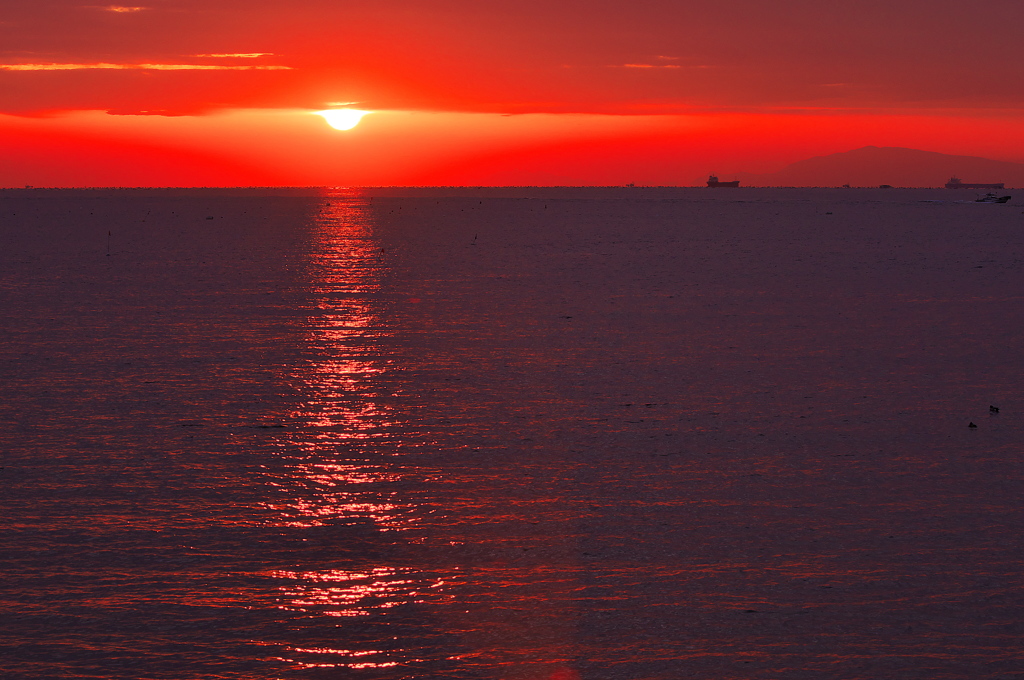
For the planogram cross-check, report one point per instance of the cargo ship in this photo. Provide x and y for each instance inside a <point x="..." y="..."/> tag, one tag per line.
<point x="713" y="182"/>
<point x="955" y="183"/>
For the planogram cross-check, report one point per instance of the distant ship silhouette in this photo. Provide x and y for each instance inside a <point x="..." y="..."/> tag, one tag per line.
<point x="713" y="182"/>
<point x="955" y="183"/>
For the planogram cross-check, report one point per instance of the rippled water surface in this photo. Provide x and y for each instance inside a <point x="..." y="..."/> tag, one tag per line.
<point x="511" y="434"/>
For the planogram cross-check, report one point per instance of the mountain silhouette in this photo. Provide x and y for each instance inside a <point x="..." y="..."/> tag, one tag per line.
<point x="872" y="166"/>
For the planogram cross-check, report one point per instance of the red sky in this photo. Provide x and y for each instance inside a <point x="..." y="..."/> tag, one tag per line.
<point x="186" y="92"/>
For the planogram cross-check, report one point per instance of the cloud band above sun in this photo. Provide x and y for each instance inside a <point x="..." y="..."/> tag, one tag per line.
<point x="236" y="55"/>
<point x="141" y="67"/>
<point x="527" y="56"/>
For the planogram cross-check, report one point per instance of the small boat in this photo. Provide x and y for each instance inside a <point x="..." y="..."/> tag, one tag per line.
<point x="992" y="198"/>
<point x="713" y="182"/>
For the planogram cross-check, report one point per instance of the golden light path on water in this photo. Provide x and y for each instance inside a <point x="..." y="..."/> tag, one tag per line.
<point x="336" y="475"/>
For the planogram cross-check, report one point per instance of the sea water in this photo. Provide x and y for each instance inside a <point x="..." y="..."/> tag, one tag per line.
<point x="511" y="434"/>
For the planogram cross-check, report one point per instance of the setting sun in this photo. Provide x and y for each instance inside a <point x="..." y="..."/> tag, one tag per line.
<point x="342" y="119"/>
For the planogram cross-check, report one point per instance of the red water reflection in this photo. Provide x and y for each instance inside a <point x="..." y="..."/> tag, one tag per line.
<point x="343" y="405"/>
<point x="342" y="593"/>
<point x="346" y="267"/>
<point x="336" y="473"/>
<point x="347" y="476"/>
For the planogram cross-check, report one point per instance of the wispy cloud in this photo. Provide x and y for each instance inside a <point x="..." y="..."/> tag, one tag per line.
<point x="649" y="66"/>
<point x="120" y="9"/>
<point x="236" y="55"/>
<point x="140" y="67"/>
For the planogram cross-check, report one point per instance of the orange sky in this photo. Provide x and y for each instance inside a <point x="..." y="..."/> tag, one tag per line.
<point x="192" y="93"/>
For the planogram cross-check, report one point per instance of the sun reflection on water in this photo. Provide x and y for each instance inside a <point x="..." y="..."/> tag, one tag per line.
<point x="333" y="460"/>
<point x="342" y="593"/>
<point x="338" y="469"/>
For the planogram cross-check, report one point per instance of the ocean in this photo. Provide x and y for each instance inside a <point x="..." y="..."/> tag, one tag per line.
<point x="511" y="434"/>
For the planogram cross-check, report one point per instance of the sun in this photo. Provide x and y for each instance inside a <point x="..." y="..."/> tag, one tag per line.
<point x="342" y="119"/>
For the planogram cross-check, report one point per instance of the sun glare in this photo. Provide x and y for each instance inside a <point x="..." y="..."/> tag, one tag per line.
<point x="342" y="119"/>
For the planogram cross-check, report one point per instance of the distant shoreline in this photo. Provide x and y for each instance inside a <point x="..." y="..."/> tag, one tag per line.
<point x="317" y="191"/>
